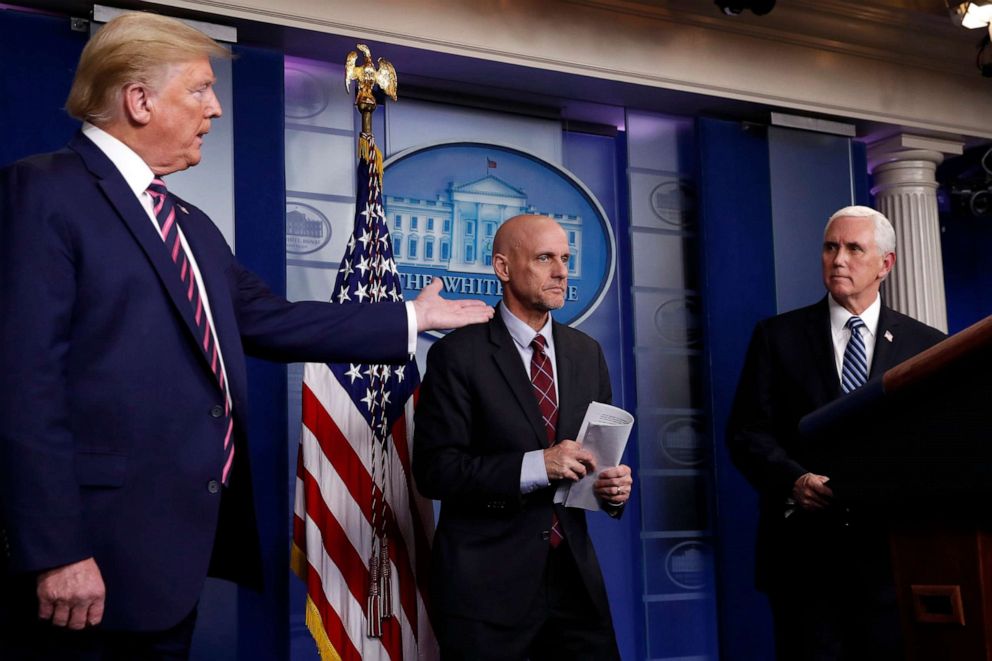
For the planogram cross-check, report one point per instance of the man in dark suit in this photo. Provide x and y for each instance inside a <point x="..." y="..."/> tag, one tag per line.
<point x="825" y="570"/>
<point x="513" y="575"/>
<point x="124" y="324"/>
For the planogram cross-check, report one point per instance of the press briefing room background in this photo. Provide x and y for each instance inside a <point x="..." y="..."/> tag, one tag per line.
<point x="700" y="214"/>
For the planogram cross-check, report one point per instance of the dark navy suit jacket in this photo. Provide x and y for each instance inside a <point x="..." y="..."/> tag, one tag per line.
<point x="790" y="371"/>
<point x="476" y="417"/>
<point x="111" y="430"/>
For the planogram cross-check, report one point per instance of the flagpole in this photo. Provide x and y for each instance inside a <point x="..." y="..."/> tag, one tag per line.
<point x="379" y="605"/>
<point x="354" y="477"/>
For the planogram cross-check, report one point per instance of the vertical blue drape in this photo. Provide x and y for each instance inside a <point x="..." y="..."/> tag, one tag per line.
<point x="738" y="289"/>
<point x="859" y="174"/>
<point x="260" y="235"/>
<point x="965" y="243"/>
<point x="810" y="176"/>
<point x="39" y="55"/>
<point x="765" y="197"/>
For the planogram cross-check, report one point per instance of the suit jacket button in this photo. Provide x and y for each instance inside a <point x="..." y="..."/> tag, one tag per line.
<point x="545" y="535"/>
<point x="217" y="411"/>
<point x="213" y="486"/>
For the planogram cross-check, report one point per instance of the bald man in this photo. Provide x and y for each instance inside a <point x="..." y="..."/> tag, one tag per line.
<point x="515" y="576"/>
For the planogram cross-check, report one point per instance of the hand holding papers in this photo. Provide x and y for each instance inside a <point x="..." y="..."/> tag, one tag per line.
<point x="604" y="433"/>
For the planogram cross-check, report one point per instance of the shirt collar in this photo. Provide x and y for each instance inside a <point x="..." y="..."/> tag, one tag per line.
<point x="135" y="171"/>
<point x="839" y="315"/>
<point x="521" y="333"/>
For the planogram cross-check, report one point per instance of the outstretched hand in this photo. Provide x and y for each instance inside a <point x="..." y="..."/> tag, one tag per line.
<point x="437" y="313"/>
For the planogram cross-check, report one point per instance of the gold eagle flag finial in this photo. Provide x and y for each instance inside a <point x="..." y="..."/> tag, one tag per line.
<point x="368" y="76"/>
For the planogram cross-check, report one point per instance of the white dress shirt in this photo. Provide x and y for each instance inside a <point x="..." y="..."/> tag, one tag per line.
<point x="138" y="177"/>
<point x="838" y="320"/>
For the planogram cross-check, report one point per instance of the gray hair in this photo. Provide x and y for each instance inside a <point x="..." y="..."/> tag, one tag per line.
<point x="885" y="236"/>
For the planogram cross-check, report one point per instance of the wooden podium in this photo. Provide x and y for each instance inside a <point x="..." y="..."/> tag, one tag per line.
<point x="914" y="452"/>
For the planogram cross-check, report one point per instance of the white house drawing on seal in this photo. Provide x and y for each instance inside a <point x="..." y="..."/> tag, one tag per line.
<point x="455" y="231"/>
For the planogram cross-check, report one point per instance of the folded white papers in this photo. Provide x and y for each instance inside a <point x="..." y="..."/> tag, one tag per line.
<point x="604" y="433"/>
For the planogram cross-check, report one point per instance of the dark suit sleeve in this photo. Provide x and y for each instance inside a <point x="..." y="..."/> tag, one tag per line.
<point x="755" y="436"/>
<point x="41" y="506"/>
<point x="273" y="328"/>
<point x="453" y="458"/>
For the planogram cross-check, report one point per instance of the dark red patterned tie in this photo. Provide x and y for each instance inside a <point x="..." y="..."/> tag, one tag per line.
<point x="543" y="379"/>
<point x="165" y="216"/>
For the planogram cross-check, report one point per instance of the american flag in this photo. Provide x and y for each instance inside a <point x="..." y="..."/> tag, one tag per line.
<point x="361" y="532"/>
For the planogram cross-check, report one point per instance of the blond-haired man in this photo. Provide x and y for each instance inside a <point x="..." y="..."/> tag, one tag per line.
<point x="124" y="324"/>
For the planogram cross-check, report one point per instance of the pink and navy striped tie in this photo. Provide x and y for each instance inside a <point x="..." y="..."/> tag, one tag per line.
<point x="165" y="216"/>
<point x="543" y="379"/>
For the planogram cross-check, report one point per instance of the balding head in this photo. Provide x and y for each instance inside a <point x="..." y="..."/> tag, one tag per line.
<point x="515" y="231"/>
<point x="530" y="257"/>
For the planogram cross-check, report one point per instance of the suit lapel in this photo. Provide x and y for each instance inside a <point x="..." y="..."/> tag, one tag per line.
<point x="886" y="336"/>
<point x="821" y="346"/>
<point x="219" y="296"/>
<point x="508" y="362"/>
<point x="567" y="382"/>
<point x="136" y="219"/>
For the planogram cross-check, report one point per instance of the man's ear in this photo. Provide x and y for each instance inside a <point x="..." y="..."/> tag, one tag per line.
<point x="501" y="267"/>
<point x="888" y="261"/>
<point x="138" y="103"/>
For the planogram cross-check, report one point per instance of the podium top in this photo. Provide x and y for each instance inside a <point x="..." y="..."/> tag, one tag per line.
<point x="939" y="357"/>
<point x="915" y="371"/>
<point x="916" y="441"/>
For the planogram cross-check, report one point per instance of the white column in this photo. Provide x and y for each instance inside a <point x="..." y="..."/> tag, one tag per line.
<point x="905" y="190"/>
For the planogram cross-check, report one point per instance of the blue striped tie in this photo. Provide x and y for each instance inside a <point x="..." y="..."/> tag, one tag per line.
<point x="854" y="373"/>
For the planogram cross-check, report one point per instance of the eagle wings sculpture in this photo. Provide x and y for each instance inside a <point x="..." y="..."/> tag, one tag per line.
<point x="368" y="76"/>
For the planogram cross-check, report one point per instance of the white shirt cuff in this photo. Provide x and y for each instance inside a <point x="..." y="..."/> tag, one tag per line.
<point x="533" y="474"/>
<point x="411" y="328"/>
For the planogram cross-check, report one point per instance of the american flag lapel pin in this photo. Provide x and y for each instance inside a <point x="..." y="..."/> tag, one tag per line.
<point x="887" y="335"/>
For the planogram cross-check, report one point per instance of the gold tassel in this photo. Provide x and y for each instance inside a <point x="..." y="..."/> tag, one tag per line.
<point x="368" y="152"/>
<point x="298" y="562"/>
<point x="316" y="627"/>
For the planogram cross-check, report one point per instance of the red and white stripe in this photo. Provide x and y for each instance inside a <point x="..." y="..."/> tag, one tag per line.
<point x="332" y="530"/>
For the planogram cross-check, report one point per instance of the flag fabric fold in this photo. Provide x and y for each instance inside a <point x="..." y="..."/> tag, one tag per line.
<point x="361" y="532"/>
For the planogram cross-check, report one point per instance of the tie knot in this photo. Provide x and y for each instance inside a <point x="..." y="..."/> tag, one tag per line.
<point x="539" y="343"/>
<point x="854" y="323"/>
<point x="157" y="187"/>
